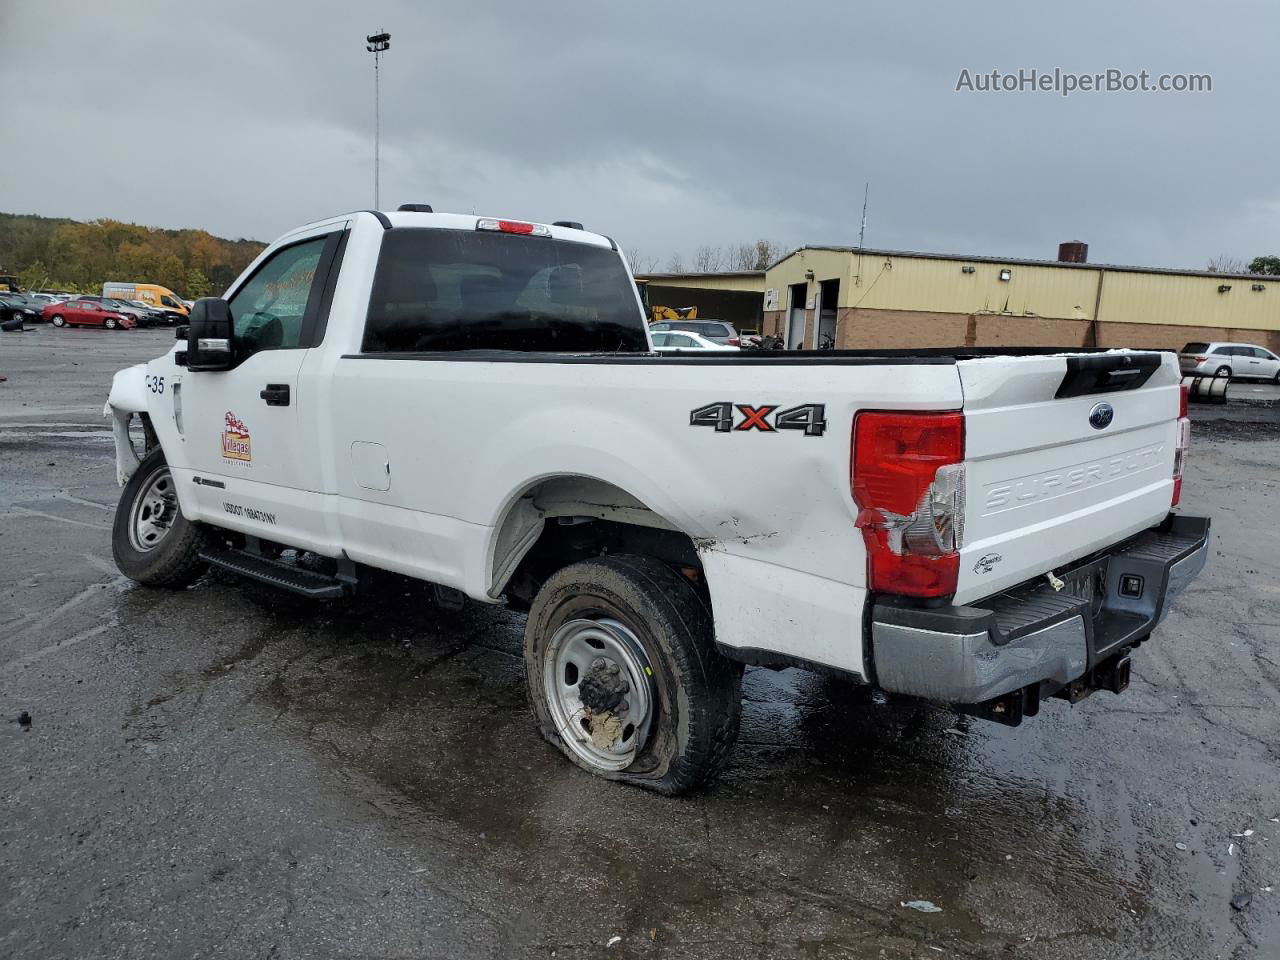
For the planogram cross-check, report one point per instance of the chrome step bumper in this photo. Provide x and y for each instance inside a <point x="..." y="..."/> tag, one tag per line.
<point x="1033" y="635"/>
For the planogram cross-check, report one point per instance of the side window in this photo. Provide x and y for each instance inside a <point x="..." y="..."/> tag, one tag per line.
<point x="661" y="339"/>
<point x="268" y="310"/>
<point x="1222" y="351"/>
<point x="680" y="340"/>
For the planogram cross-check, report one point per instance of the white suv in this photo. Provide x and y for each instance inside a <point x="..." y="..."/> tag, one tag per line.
<point x="1235" y="360"/>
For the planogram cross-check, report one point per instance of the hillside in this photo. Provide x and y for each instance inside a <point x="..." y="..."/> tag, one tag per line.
<point x="58" y="254"/>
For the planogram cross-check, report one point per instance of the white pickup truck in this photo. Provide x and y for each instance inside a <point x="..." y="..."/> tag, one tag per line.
<point x="476" y="403"/>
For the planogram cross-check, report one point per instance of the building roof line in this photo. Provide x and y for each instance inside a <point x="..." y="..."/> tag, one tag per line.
<point x="1023" y="262"/>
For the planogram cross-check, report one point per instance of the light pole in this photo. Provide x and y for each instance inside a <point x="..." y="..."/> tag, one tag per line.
<point x="377" y="44"/>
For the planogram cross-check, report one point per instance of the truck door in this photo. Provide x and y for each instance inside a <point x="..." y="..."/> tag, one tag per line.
<point x="250" y="469"/>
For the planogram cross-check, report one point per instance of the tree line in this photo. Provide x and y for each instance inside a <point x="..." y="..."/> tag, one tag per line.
<point x="49" y="253"/>
<point x="1261" y="266"/>
<point x="757" y="255"/>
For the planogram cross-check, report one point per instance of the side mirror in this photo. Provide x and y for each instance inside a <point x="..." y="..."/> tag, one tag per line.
<point x="211" y="336"/>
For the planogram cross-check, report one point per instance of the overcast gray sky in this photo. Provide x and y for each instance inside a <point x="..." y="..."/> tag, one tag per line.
<point x="666" y="125"/>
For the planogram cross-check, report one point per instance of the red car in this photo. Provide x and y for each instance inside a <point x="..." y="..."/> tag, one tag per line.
<point x="86" y="313"/>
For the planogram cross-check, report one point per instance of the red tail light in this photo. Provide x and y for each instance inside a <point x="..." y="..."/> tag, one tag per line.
<point x="734" y="342"/>
<point x="1184" y="441"/>
<point x="908" y="483"/>
<point x="514" y="226"/>
<point x="1201" y="359"/>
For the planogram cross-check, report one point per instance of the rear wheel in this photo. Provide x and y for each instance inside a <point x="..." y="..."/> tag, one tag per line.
<point x="152" y="541"/>
<point x="624" y="677"/>
<point x="1222" y="371"/>
<point x="58" y="321"/>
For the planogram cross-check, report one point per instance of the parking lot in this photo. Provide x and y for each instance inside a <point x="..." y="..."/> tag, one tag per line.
<point x="227" y="771"/>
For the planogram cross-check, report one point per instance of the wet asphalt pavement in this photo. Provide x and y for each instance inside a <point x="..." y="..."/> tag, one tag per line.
<point x="230" y="772"/>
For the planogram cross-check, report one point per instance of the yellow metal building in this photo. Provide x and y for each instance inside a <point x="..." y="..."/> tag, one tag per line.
<point x="858" y="298"/>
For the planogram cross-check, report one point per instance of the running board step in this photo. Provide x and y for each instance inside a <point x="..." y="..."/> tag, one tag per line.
<point x="277" y="573"/>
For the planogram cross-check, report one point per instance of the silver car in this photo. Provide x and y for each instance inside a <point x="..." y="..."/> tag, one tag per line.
<point x="720" y="331"/>
<point x="1240" y="361"/>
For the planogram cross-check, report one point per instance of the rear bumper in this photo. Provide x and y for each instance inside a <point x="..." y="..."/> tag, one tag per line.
<point x="1033" y="636"/>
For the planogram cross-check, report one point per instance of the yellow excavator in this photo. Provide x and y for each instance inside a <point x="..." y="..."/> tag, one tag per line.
<point x="663" y="313"/>
<point x="672" y="313"/>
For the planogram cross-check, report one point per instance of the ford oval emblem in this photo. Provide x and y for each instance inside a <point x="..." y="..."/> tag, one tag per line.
<point x="1101" y="415"/>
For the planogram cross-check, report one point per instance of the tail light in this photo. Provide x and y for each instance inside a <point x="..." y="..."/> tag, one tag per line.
<point x="514" y="226"/>
<point x="1184" y="441"/>
<point x="734" y="342"/>
<point x="1201" y="359"/>
<point x="908" y="483"/>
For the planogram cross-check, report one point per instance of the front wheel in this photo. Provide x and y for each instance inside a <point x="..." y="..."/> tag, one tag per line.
<point x="624" y="677"/>
<point x="109" y="323"/>
<point x="152" y="541"/>
<point x="58" y="321"/>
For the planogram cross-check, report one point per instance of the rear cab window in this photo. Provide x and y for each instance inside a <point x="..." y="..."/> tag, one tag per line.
<point x="453" y="290"/>
<point x="1195" y="348"/>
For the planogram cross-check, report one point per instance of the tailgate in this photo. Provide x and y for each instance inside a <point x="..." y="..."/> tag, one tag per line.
<point x="1049" y="476"/>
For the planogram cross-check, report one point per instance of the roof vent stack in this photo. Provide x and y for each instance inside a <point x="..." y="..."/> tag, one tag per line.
<point x="1073" y="251"/>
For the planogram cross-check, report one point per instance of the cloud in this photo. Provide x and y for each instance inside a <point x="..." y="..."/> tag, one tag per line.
<point x="666" y="125"/>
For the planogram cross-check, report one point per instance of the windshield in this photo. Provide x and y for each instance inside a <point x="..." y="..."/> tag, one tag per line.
<point x="470" y="290"/>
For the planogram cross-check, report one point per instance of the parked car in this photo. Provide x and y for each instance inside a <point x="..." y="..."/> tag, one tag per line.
<point x="88" y="313"/>
<point x="972" y="528"/>
<point x="144" y="315"/>
<point x="151" y="317"/>
<point x="1240" y="361"/>
<point x="20" y="306"/>
<point x="717" y="330"/>
<point x="678" y="340"/>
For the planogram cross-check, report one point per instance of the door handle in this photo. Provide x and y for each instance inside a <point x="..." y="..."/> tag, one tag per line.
<point x="276" y="394"/>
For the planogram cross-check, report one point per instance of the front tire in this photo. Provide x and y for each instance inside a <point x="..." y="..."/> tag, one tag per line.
<point x="109" y="323"/>
<point x="153" y="543"/>
<point x="624" y="678"/>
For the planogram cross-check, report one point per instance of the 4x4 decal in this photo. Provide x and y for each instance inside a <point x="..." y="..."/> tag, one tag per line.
<point x="809" y="417"/>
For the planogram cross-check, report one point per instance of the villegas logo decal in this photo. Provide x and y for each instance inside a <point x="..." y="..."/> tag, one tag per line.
<point x="235" y="439"/>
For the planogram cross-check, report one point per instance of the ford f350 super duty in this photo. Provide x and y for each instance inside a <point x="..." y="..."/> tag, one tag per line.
<point x="476" y="403"/>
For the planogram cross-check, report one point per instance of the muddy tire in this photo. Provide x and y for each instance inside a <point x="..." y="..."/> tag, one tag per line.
<point x="632" y="621"/>
<point x="153" y="543"/>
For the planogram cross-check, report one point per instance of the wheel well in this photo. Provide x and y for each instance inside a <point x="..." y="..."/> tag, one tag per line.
<point x="562" y="520"/>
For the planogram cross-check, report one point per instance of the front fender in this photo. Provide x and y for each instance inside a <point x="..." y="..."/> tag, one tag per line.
<point x="128" y="390"/>
<point x="128" y="398"/>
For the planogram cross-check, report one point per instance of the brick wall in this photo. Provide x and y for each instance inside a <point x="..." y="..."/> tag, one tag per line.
<point x="862" y="329"/>
<point x="867" y="329"/>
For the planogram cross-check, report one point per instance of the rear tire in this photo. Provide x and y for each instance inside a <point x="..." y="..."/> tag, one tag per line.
<point x="58" y="321"/>
<point x="677" y="724"/>
<point x="153" y="543"/>
<point x="1223" y="371"/>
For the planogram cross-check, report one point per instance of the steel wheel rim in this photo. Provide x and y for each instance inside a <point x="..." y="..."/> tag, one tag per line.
<point x="153" y="511"/>
<point x="568" y="656"/>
